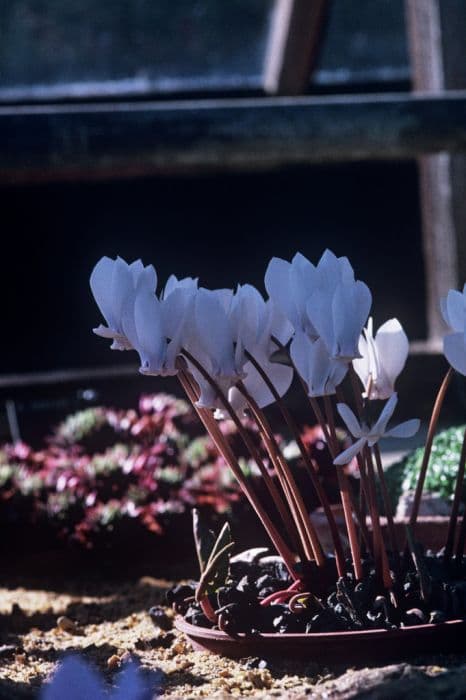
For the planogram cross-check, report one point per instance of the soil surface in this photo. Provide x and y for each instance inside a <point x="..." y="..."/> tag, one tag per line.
<point x="108" y="623"/>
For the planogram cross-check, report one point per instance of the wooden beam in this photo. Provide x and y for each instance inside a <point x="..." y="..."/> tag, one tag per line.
<point x="436" y="33"/>
<point x="293" y="43"/>
<point x="44" y="143"/>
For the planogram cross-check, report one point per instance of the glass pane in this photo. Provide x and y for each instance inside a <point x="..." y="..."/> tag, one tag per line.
<point x="365" y="42"/>
<point x="59" y="48"/>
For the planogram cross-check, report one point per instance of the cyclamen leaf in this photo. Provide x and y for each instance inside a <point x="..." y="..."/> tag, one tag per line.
<point x="204" y="539"/>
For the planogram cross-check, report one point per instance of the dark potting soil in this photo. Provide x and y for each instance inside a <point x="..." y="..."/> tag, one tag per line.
<point x="432" y="593"/>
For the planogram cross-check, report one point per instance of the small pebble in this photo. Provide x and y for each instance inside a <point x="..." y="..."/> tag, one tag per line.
<point x="66" y="625"/>
<point x="113" y="662"/>
<point x="160" y="618"/>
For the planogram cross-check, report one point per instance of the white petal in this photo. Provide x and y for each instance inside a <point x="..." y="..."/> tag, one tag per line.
<point x="346" y="456"/>
<point x="173" y="283"/>
<point x="454" y="348"/>
<point x="278" y="286"/>
<point x="362" y="364"/>
<point x="122" y="287"/>
<point x="174" y="308"/>
<point x="279" y="326"/>
<point x="444" y="310"/>
<point x="280" y="376"/>
<point x="319" y="312"/>
<point x="456" y="305"/>
<point x="404" y="430"/>
<point x="299" y="353"/>
<point x="104" y="331"/>
<point x="303" y="278"/>
<point x="214" y="331"/>
<point x="329" y="271"/>
<point x="346" y="271"/>
<point x="100" y="282"/>
<point x="337" y="372"/>
<point x="387" y="412"/>
<point x="151" y="343"/>
<point x="248" y="315"/>
<point x="392" y="347"/>
<point x="350" y="308"/>
<point x="350" y="419"/>
<point x="136" y="268"/>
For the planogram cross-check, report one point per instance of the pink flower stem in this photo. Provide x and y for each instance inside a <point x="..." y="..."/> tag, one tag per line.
<point x="344" y="494"/>
<point x="310" y="465"/>
<point x="227" y="453"/>
<point x="428" y="447"/>
<point x="307" y="532"/>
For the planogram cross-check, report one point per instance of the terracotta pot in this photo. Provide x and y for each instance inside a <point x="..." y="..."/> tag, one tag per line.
<point x="332" y="647"/>
<point x="431" y="530"/>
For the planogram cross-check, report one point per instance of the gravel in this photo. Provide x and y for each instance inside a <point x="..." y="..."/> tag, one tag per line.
<point x="109" y="623"/>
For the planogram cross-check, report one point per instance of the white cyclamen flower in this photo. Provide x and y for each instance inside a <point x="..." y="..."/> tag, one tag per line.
<point x="323" y="301"/>
<point x="321" y="373"/>
<point x="113" y="284"/>
<point x="209" y="338"/>
<point x="254" y="322"/>
<point x="454" y="344"/>
<point x="366" y="435"/>
<point x="382" y="358"/>
<point x="159" y="326"/>
<point x="339" y="307"/>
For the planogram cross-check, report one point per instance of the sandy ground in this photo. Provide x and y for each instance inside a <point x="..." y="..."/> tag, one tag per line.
<point x="108" y="623"/>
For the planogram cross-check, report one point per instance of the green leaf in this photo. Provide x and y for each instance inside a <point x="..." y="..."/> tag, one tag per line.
<point x="203" y="538"/>
<point x="215" y="574"/>
<point x="215" y="570"/>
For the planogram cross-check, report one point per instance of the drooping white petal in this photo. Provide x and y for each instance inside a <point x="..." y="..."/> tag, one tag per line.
<point x="136" y="268"/>
<point x="303" y="279"/>
<point x="279" y="375"/>
<point x="350" y="419"/>
<point x="278" y="286"/>
<point x="454" y="348"/>
<point x="329" y="271"/>
<point x="350" y="308"/>
<point x="319" y="313"/>
<point x="362" y="365"/>
<point x="404" y="430"/>
<point x="300" y="350"/>
<point x="214" y="331"/>
<point x="456" y="310"/>
<point x="174" y="308"/>
<point x="393" y="346"/>
<point x="173" y="283"/>
<point x="346" y="270"/>
<point x="100" y="282"/>
<point x="320" y="372"/>
<point x="151" y="341"/>
<point x="247" y="315"/>
<point x="122" y="286"/>
<point x="387" y="412"/>
<point x="346" y="456"/>
<point x="279" y="326"/>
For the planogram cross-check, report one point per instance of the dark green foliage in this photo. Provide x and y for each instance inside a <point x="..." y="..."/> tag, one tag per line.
<point x="442" y="470"/>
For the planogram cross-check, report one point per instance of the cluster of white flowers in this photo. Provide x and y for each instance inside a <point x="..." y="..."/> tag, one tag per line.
<point x="318" y="313"/>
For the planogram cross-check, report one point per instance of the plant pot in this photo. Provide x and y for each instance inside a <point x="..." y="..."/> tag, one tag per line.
<point x="361" y="647"/>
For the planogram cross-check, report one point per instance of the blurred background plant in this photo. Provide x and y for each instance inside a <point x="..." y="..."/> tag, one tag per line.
<point x="441" y="474"/>
<point x="106" y="475"/>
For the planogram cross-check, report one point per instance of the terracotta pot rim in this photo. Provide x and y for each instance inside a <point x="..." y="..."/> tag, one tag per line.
<point x="413" y="630"/>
